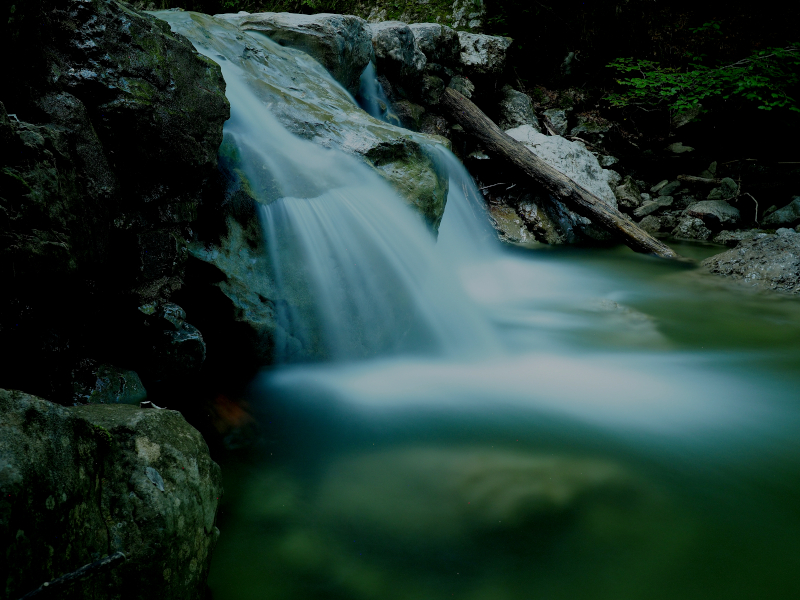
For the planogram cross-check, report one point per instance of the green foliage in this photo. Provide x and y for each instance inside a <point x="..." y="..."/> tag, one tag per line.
<point x="767" y="77"/>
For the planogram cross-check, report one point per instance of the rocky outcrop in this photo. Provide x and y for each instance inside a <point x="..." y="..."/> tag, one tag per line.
<point x="398" y="56"/>
<point x="765" y="261"/>
<point x="81" y="483"/>
<point x="483" y="57"/>
<point x="108" y="151"/>
<point x="440" y="44"/>
<point x="341" y="43"/>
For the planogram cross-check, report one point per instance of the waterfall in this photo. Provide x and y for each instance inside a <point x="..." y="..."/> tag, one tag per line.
<point x="372" y="98"/>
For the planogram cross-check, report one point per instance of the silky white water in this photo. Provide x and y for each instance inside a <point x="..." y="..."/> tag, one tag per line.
<point x="482" y="422"/>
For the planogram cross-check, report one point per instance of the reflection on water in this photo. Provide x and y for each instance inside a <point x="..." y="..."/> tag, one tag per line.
<point x="638" y="440"/>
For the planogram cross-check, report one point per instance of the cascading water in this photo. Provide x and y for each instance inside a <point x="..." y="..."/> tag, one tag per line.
<point x="372" y="98"/>
<point x="560" y="424"/>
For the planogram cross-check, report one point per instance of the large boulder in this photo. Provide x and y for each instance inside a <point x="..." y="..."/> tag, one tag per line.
<point x="398" y="56"/>
<point x="570" y="158"/>
<point x="109" y="149"/>
<point x="765" y="261"/>
<point x="80" y="483"/>
<point x="341" y="43"/>
<point x="483" y="57"/>
<point x="440" y="44"/>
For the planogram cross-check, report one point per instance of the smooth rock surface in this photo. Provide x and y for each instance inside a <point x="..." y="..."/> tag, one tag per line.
<point x="770" y="262"/>
<point x="78" y="484"/>
<point x="648" y="208"/>
<point x="341" y="43"/>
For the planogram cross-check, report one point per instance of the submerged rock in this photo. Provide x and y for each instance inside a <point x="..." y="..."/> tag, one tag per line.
<point x="766" y="261"/>
<point x="341" y="43"/>
<point x="81" y="483"/>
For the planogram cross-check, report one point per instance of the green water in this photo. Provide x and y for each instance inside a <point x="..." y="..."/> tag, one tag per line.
<point x="639" y="440"/>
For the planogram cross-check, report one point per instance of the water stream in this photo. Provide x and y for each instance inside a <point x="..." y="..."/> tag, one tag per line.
<point x="498" y="423"/>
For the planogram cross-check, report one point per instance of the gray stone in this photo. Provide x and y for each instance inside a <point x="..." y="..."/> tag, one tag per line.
<point x="467" y="13"/>
<point x="769" y="262"/>
<point x="691" y="228"/>
<point x="710" y="172"/>
<point x="628" y="195"/>
<point x="432" y="90"/>
<point x="590" y="127"/>
<point x="483" y="55"/>
<point x="77" y="485"/>
<point x="341" y="43"/>
<point x="657" y="187"/>
<point x="398" y="56"/>
<point x="570" y="158"/>
<point x="608" y="161"/>
<point x="788" y="215"/>
<point x="648" y="208"/>
<point x="728" y="189"/>
<point x="651" y="224"/>
<point x="439" y="43"/>
<point x="462" y="85"/>
<point x="116" y="386"/>
<point x="715" y="214"/>
<point x="669" y="189"/>
<point x="557" y="117"/>
<point x="516" y="109"/>
<point x="732" y="238"/>
<point x="679" y="148"/>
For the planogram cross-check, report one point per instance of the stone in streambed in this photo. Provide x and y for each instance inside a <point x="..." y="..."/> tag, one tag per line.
<point x="516" y="110"/>
<point x="78" y="485"/>
<point x="788" y="215"/>
<point x="766" y="261"/>
<point x="652" y="206"/>
<point x="715" y="214"/>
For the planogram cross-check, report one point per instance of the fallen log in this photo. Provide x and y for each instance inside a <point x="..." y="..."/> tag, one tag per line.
<point x="704" y="180"/>
<point x="576" y="197"/>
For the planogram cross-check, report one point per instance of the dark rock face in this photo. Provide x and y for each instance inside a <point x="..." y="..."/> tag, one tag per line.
<point x="80" y="483"/>
<point x="766" y="261"/>
<point x="112" y="137"/>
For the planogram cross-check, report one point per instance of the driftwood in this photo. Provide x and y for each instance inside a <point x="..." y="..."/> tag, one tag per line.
<point x="56" y="587"/>
<point x="577" y="198"/>
<point x="693" y="179"/>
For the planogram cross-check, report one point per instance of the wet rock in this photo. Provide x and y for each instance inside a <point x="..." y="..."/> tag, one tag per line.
<point x="410" y="114"/>
<point x="769" y="262"/>
<point x="691" y="228"/>
<point x="570" y="158"/>
<point x="715" y="214"/>
<point x="557" y="118"/>
<point x="303" y="98"/>
<point x="465" y="494"/>
<point x="788" y="215"/>
<point x="629" y="197"/>
<point x="178" y="352"/>
<point x="76" y="488"/>
<point x="509" y="225"/>
<point x="398" y="56"/>
<point x="462" y="85"/>
<point x="483" y="56"/>
<point x="728" y="189"/>
<point x="439" y="43"/>
<point x="648" y="208"/>
<point x="516" y="110"/>
<point x="341" y="43"/>
<point x="432" y="90"/>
